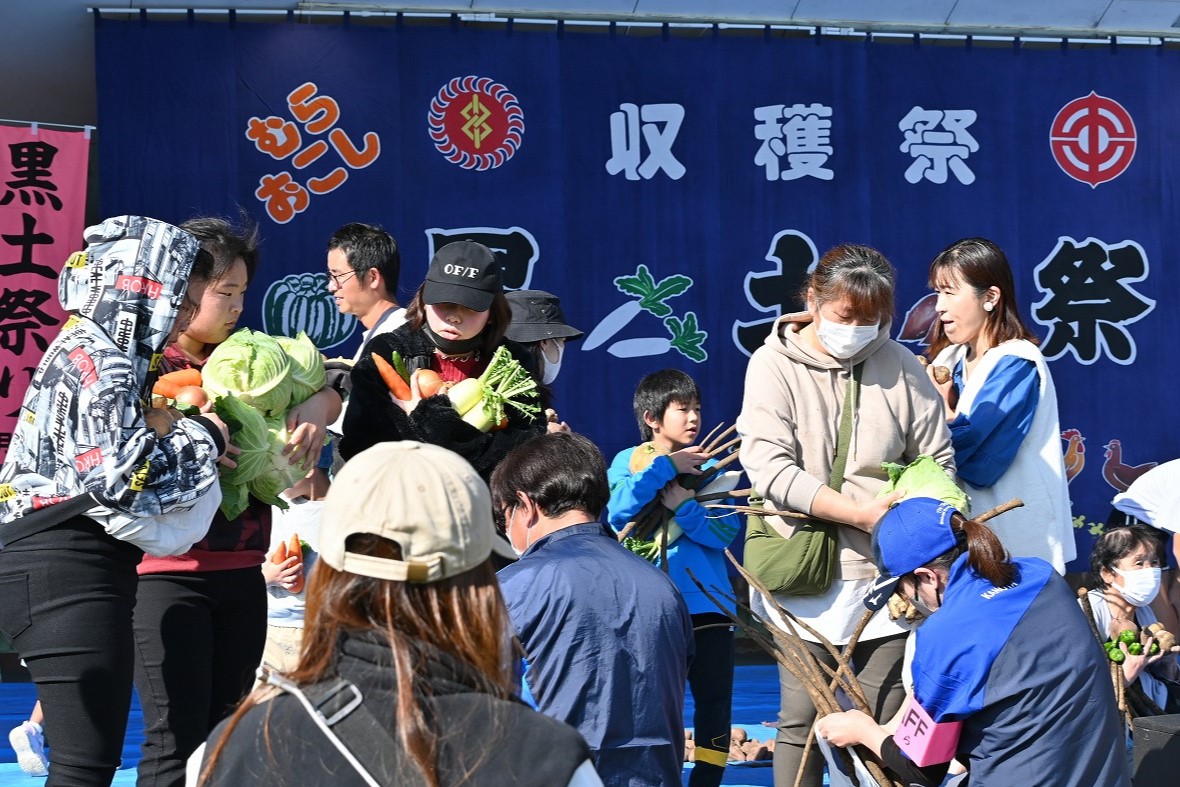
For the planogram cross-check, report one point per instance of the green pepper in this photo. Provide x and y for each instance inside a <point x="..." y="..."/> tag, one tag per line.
<point x="1155" y="648"/>
<point x="1128" y="636"/>
<point x="1117" y="656"/>
<point x="1135" y="649"/>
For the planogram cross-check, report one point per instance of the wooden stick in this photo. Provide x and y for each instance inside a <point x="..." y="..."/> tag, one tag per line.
<point x="1015" y="502"/>
<point x="1088" y="611"/>
<point x="664" y="545"/>
<point x="736" y="493"/>
<point x="756" y="511"/>
<point x="709" y="436"/>
<point x="711" y="447"/>
<point x="721" y="449"/>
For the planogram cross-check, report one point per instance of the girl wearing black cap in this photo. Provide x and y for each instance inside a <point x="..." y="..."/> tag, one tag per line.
<point x="455" y="322"/>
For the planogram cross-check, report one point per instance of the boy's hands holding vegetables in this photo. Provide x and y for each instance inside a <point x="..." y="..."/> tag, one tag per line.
<point x="285" y="575"/>
<point x="689" y="460"/>
<point x="673" y="495"/>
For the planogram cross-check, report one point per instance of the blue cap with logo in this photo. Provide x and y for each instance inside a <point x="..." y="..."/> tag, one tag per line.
<point x="910" y="535"/>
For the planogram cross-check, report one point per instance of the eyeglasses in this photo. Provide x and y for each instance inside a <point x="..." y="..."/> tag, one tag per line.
<point x="340" y="278"/>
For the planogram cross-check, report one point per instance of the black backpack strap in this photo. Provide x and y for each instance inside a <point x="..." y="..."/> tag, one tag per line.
<point x="338" y="709"/>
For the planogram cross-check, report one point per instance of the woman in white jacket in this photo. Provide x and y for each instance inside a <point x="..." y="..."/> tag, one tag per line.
<point x="1001" y="405"/>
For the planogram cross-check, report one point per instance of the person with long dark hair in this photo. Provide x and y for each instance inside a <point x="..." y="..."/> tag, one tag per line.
<point x="406" y="672"/>
<point x="1000" y="401"/>
<point x="1005" y="667"/>
<point x="454" y="323"/>
<point x="200" y="617"/>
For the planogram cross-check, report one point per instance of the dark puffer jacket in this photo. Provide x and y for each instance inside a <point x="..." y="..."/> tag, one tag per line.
<point x="482" y="740"/>
<point x="373" y="418"/>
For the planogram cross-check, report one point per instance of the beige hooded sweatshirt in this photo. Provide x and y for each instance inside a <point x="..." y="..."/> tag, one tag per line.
<point x="790" y="421"/>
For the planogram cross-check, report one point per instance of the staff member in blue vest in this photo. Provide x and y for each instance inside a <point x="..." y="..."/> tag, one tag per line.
<point x="1006" y="671"/>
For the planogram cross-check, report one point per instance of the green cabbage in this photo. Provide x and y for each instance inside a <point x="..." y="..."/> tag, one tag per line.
<point x="253" y="367"/>
<point x="307" y="366"/>
<point x="247" y="430"/>
<point x="924" y="477"/>
<point x="279" y="473"/>
<point x="234" y="499"/>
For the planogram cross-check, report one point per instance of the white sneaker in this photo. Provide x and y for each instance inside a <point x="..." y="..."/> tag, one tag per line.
<point x="29" y="744"/>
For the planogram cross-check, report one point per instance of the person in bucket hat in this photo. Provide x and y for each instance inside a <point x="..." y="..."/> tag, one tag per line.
<point x="1005" y="667"/>
<point x="408" y="663"/>
<point x="454" y="324"/>
<point x="539" y="324"/>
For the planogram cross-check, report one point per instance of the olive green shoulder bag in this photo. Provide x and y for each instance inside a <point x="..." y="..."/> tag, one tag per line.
<point x="805" y="563"/>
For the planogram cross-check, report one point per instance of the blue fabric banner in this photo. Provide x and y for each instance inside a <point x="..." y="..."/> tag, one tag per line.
<point x="673" y="191"/>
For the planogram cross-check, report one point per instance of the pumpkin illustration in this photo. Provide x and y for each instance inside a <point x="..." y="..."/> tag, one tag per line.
<point x="301" y="302"/>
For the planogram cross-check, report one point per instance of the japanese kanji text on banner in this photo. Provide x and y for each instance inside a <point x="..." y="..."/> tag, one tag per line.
<point x="42" y="210"/>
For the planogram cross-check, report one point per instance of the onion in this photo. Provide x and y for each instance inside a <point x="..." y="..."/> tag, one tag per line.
<point x="192" y="394"/>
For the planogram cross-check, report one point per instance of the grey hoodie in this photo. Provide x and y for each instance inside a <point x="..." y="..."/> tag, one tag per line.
<point x="790" y="422"/>
<point x="81" y="428"/>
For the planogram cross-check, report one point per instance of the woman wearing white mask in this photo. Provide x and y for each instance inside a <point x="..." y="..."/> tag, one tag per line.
<point x="1125" y="565"/>
<point x="539" y="324"/>
<point x="1001" y="404"/>
<point x="797" y="386"/>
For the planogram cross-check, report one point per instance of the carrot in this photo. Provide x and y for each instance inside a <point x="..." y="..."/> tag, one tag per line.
<point x="165" y="388"/>
<point x="397" y="386"/>
<point x="279" y="556"/>
<point x="295" y="549"/>
<point x="183" y="377"/>
<point x="429" y="383"/>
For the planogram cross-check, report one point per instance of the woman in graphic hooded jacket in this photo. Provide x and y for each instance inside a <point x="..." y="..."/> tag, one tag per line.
<point x="92" y="480"/>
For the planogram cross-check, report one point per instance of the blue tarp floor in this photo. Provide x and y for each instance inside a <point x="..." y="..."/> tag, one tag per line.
<point x="755" y="700"/>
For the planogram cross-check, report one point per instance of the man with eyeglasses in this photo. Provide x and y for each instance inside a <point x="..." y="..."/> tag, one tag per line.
<point x="363" y="268"/>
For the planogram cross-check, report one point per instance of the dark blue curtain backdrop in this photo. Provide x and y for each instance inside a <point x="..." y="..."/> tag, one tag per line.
<point x="674" y="191"/>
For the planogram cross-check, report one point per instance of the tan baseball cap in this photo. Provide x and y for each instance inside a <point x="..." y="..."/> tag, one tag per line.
<point x="427" y="499"/>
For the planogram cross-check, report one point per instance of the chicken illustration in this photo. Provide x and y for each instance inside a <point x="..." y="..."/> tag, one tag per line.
<point x="1075" y="453"/>
<point x="1117" y="474"/>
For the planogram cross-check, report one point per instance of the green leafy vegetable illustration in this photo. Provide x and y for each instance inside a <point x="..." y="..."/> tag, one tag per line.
<point x="652" y="296"/>
<point x="687" y="337"/>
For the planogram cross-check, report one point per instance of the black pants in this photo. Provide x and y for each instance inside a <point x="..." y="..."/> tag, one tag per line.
<point x="66" y="597"/>
<point x="710" y="679"/>
<point x="198" y="640"/>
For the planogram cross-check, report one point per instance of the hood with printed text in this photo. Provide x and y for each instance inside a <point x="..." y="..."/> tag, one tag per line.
<point x="131" y="282"/>
<point x="82" y="428"/>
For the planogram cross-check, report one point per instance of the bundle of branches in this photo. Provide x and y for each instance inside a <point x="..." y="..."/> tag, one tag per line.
<point x="654" y="517"/>
<point x="786" y="646"/>
<point x="789" y="649"/>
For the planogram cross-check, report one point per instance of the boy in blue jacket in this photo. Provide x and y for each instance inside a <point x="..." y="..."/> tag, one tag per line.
<point x="667" y="406"/>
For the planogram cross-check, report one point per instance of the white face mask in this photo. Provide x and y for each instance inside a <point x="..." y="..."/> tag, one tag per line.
<point x="845" y="341"/>
<point x="508" y="522"/>
<point x="552" y="368"/>
<point x="1140" y="586"/>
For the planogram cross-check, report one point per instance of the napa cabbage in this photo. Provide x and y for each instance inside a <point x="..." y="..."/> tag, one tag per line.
<point x="924" y="477"/>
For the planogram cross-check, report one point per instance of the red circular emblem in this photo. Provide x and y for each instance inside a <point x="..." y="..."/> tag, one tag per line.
<point x="476" y="123"/>
<point x="1093" y="139"/>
